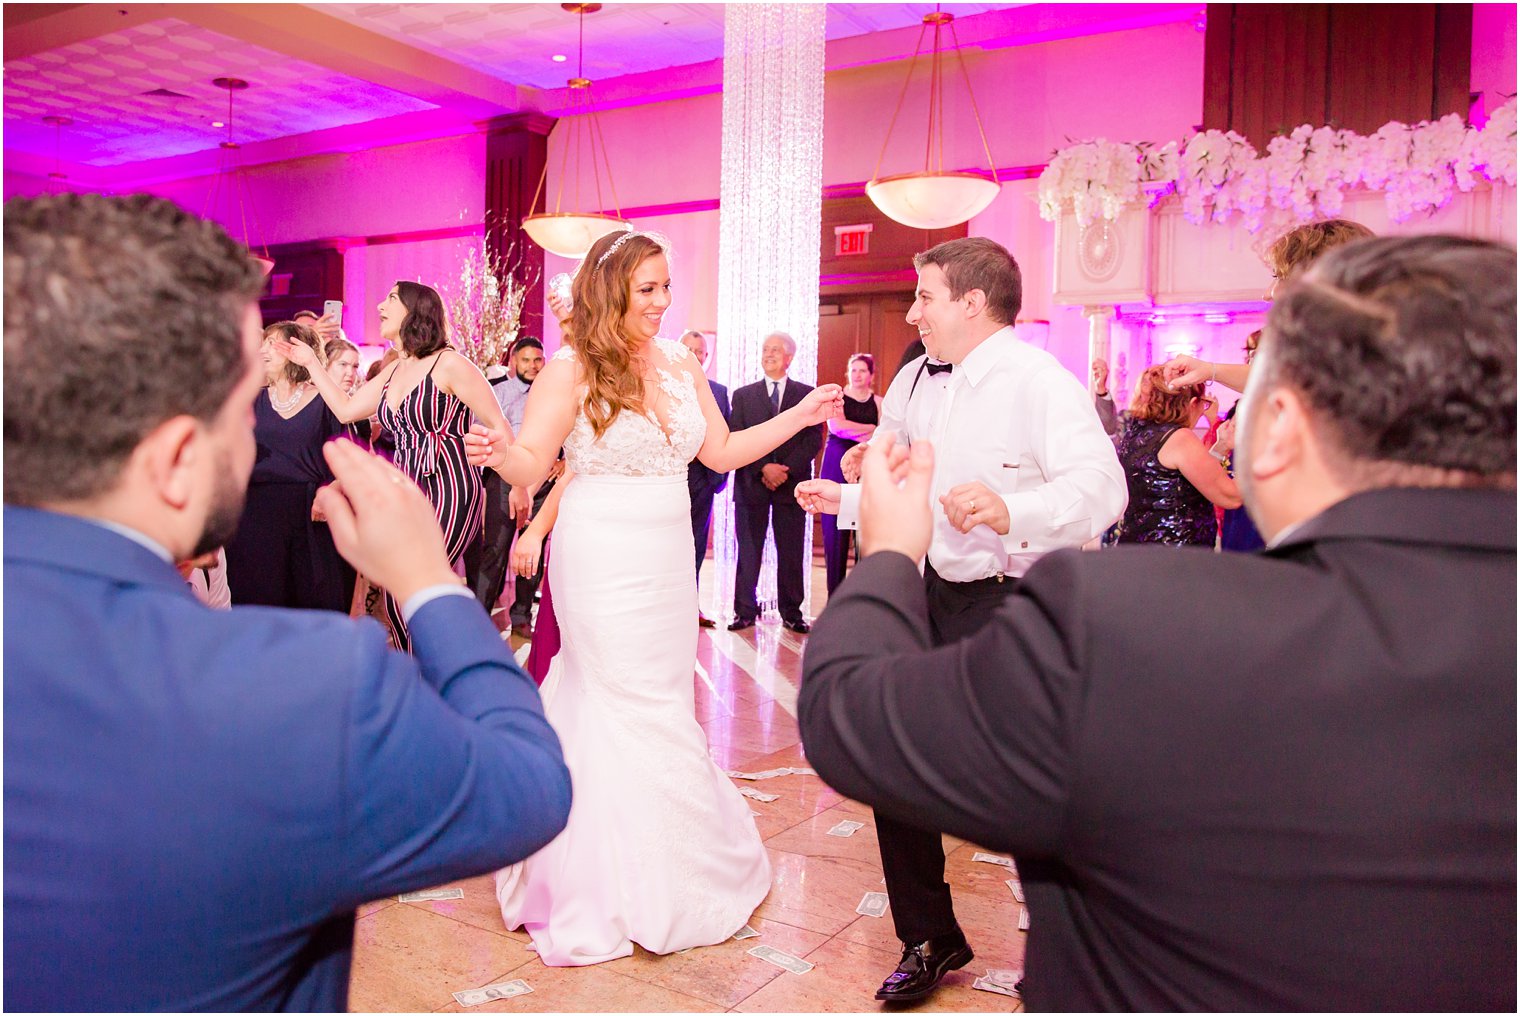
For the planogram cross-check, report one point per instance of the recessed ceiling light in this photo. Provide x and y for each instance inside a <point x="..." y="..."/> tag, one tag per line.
<point x="559" y="58"/>
<point x="217" y="123"/>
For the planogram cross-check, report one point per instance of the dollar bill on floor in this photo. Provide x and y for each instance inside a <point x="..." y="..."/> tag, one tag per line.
<point x="784" y="960"/>
<point x="768" y="774"/>
<point x="1024" y="919"/>
<point x="745" y="932"/>
<point x="846" y="828"/>
<point x="756" y="795"/>
<point x="492" y="993"/>
<point x="429" y="895"/>
<point x="801" y="771"/>
<point x="873" y="905"/>
<point x="1000" y="982"/>
<point x="1017" y="888"/>
<point x="1006" y="862"/>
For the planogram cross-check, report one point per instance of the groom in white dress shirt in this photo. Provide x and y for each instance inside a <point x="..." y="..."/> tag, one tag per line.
<point x="1022" y="467"/>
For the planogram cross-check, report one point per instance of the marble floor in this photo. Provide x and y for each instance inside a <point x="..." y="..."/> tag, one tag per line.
<point x="411" y="957"/>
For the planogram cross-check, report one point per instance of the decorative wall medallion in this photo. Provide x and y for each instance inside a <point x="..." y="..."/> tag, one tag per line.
<point x="1099" y="250"/>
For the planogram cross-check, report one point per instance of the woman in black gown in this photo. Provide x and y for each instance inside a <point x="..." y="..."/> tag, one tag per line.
<point x="280" y="556"/>
<point x="855" y="423"/>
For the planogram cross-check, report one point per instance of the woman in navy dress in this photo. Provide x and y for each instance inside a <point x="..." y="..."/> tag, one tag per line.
<point x="855" y="423"/>
<point x="425" y="399"/>
<point x="281" y="556"/>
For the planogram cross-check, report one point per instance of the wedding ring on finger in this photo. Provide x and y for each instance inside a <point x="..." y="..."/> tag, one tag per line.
<point x="973" y="506"/>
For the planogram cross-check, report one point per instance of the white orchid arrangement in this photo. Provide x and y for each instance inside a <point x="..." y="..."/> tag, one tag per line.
<point x="1304" y="175"/>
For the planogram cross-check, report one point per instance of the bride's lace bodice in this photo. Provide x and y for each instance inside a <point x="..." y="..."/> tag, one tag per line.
<point x="636" y="445"/>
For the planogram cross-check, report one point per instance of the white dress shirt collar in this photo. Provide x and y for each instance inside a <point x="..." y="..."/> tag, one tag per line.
<point x="987" y="354"/>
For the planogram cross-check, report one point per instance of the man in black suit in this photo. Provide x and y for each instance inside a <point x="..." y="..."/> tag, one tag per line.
<point x="764" y="490"/>
<point x="1301" y="797"/>
<point x="704" y="484"/>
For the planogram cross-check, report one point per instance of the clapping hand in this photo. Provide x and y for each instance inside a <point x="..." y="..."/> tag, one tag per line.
<point x="821" y="403"/>
<point x="486" y="447"/>
<point x="894" y="497"/>
<point x="849" y="463"/>
<point x="382" y="523"/>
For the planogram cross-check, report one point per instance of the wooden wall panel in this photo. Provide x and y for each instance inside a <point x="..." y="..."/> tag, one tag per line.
<point x="1270" y="67"/>
<point x="305" y="275"/>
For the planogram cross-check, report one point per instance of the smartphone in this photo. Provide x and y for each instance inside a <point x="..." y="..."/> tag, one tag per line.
<point x="333" y="309"/>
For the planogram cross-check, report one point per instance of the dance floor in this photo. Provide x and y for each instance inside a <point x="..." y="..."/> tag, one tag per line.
<point x="413" y="956"/>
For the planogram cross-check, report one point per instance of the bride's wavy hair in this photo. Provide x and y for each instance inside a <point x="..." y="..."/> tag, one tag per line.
<point x="599" y="298"/>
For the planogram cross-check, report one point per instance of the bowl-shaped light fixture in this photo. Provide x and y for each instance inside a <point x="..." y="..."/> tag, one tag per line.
<point x="571" y="234"/>
<point x="933" y="200"/>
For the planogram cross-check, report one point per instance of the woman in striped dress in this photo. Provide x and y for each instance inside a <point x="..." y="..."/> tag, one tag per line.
<point x="425" y="399"/>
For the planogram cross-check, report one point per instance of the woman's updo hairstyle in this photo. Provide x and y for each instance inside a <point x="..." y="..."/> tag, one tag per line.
<point x="424" y="332"/>
<point x="599" y="299"/>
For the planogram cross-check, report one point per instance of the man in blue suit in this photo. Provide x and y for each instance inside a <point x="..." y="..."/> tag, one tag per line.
<point x="704" y="484"/>
<point x="197" y="800"/>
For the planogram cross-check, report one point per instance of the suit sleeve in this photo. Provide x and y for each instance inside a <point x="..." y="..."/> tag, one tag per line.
<point x="452" y="772"/>
<point x="740" y="419"/>
<point x="973" y="738"/>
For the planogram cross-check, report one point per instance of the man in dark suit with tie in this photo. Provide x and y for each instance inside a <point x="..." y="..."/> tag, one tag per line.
<point x="704" y="484"/>
<point x="197" y="800"/>
<point x="764" y="491"/>
<point x="1302" y="798"/>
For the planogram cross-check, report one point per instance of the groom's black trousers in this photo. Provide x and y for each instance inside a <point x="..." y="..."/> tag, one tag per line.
<point x="912" y="858"/>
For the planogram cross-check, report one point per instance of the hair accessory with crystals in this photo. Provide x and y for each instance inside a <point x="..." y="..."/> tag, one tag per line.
<point x="615" y="245"/>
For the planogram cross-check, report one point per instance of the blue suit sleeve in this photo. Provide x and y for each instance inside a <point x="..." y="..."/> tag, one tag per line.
<point x="451" y="772"/>
<point x="720" y="393"/>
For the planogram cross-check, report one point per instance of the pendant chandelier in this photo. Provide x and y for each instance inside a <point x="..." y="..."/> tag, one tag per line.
<point x="58" y="123"/>
<point x="230" y="188"/>
<point x="934" y="198"/>
<point x="570" y="234"/>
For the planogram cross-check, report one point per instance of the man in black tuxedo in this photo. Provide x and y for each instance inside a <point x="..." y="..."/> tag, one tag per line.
<point x="1302" y="797"/>
<point x="704" y="484"/>
<point x="764" y="490"/>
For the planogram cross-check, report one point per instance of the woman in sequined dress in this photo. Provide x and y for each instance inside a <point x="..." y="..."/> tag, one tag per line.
<point x="1174" y="483"/>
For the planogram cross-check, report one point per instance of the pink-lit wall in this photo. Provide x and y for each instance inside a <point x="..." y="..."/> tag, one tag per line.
<point x="1493" y="55"/>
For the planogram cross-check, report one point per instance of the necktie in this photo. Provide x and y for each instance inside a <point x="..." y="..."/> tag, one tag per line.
<point x="938" y="368"/>
<point x="776" y="396"/>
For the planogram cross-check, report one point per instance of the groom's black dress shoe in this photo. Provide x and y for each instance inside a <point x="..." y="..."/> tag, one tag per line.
<point x="800" y="627"/>
<point x="741" y="623"/>
<point x="923" y="966"/>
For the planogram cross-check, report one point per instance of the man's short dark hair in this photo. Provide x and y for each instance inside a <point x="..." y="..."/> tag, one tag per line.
<point x="1404" y="347"/>
<point x="120" y="313"/>
<point x="302" y="315"/>
<point x="526" y="342"/>
<point x="975" y="262"/>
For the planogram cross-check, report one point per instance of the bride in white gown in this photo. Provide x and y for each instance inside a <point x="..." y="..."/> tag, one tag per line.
<point x="661" y="849"/>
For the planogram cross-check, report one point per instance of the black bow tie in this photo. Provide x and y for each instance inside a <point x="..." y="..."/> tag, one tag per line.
<point x="938" y="368"/>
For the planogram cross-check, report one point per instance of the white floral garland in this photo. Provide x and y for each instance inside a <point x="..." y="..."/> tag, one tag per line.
<point x="1305" y="174"/>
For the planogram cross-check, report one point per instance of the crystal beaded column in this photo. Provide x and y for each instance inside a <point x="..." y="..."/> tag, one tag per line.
<point x="769" y="224"/>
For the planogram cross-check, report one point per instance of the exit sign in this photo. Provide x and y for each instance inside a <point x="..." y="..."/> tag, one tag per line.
<point x="852" y="240"/>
